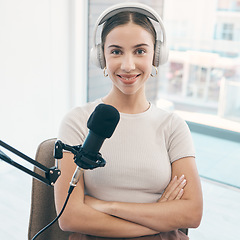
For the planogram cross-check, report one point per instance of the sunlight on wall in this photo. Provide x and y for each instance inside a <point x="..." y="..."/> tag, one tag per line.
<point x="33" y="77"/>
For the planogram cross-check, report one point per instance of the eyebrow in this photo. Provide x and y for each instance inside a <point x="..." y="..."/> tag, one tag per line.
<point x="114" y="46"/>
<point x="136" y="46"/>
<point x="141" y="45"/>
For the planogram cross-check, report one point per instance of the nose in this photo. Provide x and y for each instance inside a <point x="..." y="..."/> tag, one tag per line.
<point x="128" y="63"/>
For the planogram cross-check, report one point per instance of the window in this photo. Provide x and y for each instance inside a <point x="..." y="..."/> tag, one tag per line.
<point x="224" y="31"/>
<point x="204" y="58"/>
<point x="228" y="5"/>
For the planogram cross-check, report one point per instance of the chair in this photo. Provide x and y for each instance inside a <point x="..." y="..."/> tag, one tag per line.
<point x="184" y="230"/>
<point x="42" y="203"/>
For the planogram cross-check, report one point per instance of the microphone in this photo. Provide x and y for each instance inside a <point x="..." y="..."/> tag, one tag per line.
<point x="101" y="124"/>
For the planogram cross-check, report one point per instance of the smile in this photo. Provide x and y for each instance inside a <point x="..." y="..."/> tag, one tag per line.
<point x="128" y="79"/>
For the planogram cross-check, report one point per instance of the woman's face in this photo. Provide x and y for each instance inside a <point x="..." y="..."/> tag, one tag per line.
<point x="129" y="51"/>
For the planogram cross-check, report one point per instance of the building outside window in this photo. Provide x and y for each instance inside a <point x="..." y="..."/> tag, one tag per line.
<point x="228" y="5"/>
<point x="224" y="31"/>
<point x="203" y="73"/>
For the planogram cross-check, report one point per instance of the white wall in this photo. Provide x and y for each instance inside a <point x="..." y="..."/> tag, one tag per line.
<point x="42" y="68"/>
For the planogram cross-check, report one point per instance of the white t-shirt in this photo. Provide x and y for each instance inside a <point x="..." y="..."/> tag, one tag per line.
<point x="138" y="155"/>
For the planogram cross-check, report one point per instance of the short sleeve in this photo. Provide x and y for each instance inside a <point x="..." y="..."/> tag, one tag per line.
<point x="73" y="127"/>
<point x="180" y="143"/>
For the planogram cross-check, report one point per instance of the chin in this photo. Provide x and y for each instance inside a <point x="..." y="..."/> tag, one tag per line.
<point x="130" y="92"/>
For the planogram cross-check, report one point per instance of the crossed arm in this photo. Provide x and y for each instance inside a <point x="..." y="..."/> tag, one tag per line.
<point x="179" y="207"/>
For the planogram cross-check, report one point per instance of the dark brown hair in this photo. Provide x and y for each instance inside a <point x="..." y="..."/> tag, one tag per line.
<point x="123" y="18"/>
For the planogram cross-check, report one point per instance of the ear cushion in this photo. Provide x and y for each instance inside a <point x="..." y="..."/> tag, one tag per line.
<point x="97" y="56"/>
<point x="160" y="54"/>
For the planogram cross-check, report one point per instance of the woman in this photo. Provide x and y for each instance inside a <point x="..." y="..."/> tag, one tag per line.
<point x="150" y="184"/>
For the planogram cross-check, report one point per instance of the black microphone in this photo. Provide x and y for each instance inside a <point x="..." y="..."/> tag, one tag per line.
<point x="101" y="123"/>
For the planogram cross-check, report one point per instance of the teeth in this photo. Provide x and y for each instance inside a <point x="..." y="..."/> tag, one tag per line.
<point x="128" y="79"/>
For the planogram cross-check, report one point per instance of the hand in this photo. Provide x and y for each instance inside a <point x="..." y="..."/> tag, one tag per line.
<point x="174" y="190"/>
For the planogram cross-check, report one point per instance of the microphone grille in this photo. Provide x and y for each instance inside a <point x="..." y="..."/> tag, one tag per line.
<point x="103" y="120"/>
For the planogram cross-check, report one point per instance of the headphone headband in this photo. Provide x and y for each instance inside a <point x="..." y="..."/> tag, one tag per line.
<point x="133" y="7"/>
<point x="129" y="6"/>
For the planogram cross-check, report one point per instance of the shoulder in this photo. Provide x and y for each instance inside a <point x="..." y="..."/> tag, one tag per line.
<point x="168" y="117"/>
<point x="73" y="128"/>
<point x="81" y="113"/>
<point x="177" y="135"/>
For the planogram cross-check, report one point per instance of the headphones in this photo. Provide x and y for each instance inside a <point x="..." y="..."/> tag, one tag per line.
<point x="161" y="50"/>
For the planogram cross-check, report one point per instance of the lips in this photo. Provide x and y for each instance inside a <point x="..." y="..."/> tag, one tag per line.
<point x="128" y="78"/>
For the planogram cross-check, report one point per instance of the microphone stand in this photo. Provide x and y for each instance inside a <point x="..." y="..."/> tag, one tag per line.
<point x="83" y="159"/>
<point x="51" y="174"/>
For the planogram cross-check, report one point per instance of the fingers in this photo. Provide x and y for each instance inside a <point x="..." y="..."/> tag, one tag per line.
<point x="174" y="190"/>
<point x="180" y="184"/>
<point x="179" y="194"/>
<point x="171" y="184"/>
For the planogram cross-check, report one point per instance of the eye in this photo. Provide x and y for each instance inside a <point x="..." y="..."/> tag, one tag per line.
<point x="140" y="51"/>
<point x="116" y="52"/>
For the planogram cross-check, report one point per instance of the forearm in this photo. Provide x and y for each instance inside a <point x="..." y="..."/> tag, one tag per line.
<point x="161" y="217"/>
<point x="89" y="221"/>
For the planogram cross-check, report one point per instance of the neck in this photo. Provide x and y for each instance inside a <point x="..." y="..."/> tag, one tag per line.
<point x="131" y="104"/>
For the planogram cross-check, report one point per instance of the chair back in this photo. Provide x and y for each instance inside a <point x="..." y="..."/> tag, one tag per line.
<point x="184" y="230"/>
<point x="43" y="210"/>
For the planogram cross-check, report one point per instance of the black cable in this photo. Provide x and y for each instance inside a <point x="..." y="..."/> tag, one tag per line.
<point x="51" y="223"/>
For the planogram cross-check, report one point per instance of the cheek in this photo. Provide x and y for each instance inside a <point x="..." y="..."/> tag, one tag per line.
<point x="146" y="65"/>
<point x="111" y="66"/>
<point x="108" y="60"/>
<point x="112" y="63"/>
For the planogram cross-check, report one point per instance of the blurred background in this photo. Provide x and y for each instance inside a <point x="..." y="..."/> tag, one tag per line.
<point x="45" y="71"/>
